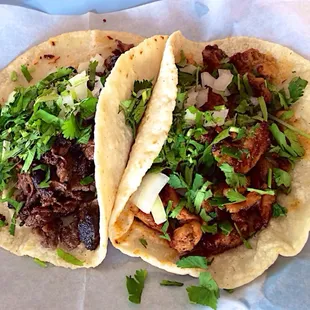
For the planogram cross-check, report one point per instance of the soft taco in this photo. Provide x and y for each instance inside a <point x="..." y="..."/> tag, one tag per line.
<point x="229" y="183"/>
<point x="53" y="147"/>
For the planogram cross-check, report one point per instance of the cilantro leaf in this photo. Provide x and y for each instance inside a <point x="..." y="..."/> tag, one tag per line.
<point x="234" y="196"/>
<point x="193" y="262"/>
<point x="171" y="283"/>
<point x="26" y="73"/>
<point x="87" y="180"/>
<point x="282" y="177"/>
<point x="135" y="285"/>
<point x="2" y="223"/>
<point x="186" y="79"/>
<point x="287" y="115"/>
<point x="295" y="145"/>
<point x="176" y="181"/>
<point x="164" y="229"/>
<point x="141" y="85"/>
<point x="69" y="258"/>
<point x="296" y="88"/>
<point x="176" y="211"/>
<point x="261" y="192"/>
<point x="206" y="293"/>
<point x="70" y="128"/>
<point x="40" y="262"/>
<point x="225" y="227"/>
<point x="203" y="214"/>
<point x="233" y="179"/>
<point x="211" y="229"/>
<point x="143" y="242"/>
<point x="278" y="210"/>
<point x="231" y="151"/>
<point x="88" y="107"/>
<point x="13" y="76"/>
<point x="245" y="241"/>
<point x="263" y="107"/>
<point x="92" y="74"/>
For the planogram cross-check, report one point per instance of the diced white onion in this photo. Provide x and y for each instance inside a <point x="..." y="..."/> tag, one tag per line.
<point x="11" y="97"/>
<point x="254" y="101"/>
<point x="83" y="66"/>
<point x="158" y="211"/>
<point x="189" y="117"/>
<point x="151" y="185"/>
<point x="218" y="118"/>
<point x="100" y="59"/>
<point x="79" y="85"/>
<point x="207" y="79"/>
<point x="224" y="79"/>
<point x="188" y="69"/>
<point x="191" y="98"/>
<point x="202" y="97"/>
<point x="98" y="87"/>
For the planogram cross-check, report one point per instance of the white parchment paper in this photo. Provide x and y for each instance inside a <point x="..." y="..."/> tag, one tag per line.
<point x="24" y="285"/>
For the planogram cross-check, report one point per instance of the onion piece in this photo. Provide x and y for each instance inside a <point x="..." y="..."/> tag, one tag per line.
<point x="254" y="101"/>
<point x="189" y="118"/>
<point x="79" y="85"/>
<point x="188" y="69"/>
<point x="146" y="194"/>
<point x="158" y="211"/>
<point x="98" y="86"/>
<point x="191" y="98"/>
<point x="218" y="118"/>
<point x="100" y="67"/>
<point x="207" y="79"/>
<point x="224" y="79"/>
<point x="202" y="97"/>
<point x="83" y="66"/>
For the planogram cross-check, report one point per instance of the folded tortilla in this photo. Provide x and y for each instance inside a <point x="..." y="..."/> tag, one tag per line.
<point x="112" y="141"/>
<point x="284" y="236"/>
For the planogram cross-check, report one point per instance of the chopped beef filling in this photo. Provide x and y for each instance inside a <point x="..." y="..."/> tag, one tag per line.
<point x="241" y="189"/>
<point x="66" y="211"/>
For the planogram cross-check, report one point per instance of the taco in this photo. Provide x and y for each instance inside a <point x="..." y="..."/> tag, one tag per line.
<point x="229" y="182"/>
<point x="52" y="151"/>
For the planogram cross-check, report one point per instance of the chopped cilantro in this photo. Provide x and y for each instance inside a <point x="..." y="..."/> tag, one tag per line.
<point x="26" y="73"/>
<point x="263" y="107"/>
<point x="17" y="206"/>
<point x="40" y="262"/>
<point x="88" y="107"/>
<point x="287" y="115"/>
<point x="269" y="178"/>
<point x="193" y="262"/>
<point x="207" y="293"/>
<point x="3" y="223"/>
<point x="69" y="258"/>
<point x="176" y="211"/>
<point x="92" y="74"/>
<point x="232" y="178"/>
<point x="142" y="85"/>
<point x="171" y="283"/>
<point x="87" y="180"/>
<point x="234" y="196"/>
<point x="296" y="88"/>
<point x="225" y="227"/>
<point x="70" y="128"/>
<point x="164" y="230"/>
<point x="176" y="181"/>
<point x="211" y="229"/>
<point x="13" y="76"/>
<point x="282" y="177"/>
<point x="143" y="242"/>
<point x="203" y="214"/>
<point x="231" y="151"/>
<point x="262" y="192"/>
<point x="242" y="107"/>
<point x="247" y="84"/>
<point x="278" y="210"/>
<point x="135" y="285"/>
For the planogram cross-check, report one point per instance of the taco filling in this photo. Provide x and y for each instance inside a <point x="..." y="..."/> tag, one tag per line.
<point x="47" y="153"/>
<point x="228" y="155"/>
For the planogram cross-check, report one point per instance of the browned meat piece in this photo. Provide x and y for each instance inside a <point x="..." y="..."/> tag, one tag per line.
<point x="61" y="146"/>
<point x="47" y="197"/>
<point x="252" y="61"/>
<point x="110" y="62"/>
<point x="39" y="216"/>
<point x="265" y="208"/>
<point x="169" y="193"/>
<point x="207" y="206"/>
<point x="2" y="218"/>
<point x="88" y="149"/>
<point x="256" y="144"/>
<point x="259" y="87"/>
<point x="65" y="208"/>
<point x="89" y="225"/>
<point x="259" y="174"/>
<point x="280" y="162"/>
<point x="209" y="136"/>
<point x="212" y="57"/>
<point x="123" y="47"/>
<point x="213" y="100"/>
<point x="25" y="184"/>
<point x="75" y="185"/>
<point x="50" y="234"/>
<point x="252" y="198"/>
<point x="148" y="220"/>
<point x="69" y="235"/>
<point x="214" y="244"/>
<point x="186" y="237"/>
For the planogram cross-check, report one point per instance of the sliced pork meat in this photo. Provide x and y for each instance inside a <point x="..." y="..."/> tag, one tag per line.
<point x="212" y="56"/>
<point x="252" y="148"/>
<point x="265" y="208"/>
<point x="213" y="101"/>
<point x="253" y="61"/>
<point x="88" y="149"/>
<point x="259" y="87"/>
<point x="186" y="237"/>
<point x="252" y="198"/>
<point x="148" y="220"/>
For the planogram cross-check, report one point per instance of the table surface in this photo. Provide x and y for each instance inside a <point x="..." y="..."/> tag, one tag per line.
<point x="70" y="7"/>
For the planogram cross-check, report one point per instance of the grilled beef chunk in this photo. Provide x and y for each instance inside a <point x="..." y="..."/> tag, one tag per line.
<point x="213" y="101"/>
<point x="252" y="61"/>
<point x="45" y="208"/>
<point x="89" y="225"/>
<point x="121" y="48"/>
<point x="88" y="149"/>
<point x="212" y="57"/>
<point x="259" y="87"/>
<point x="255" y="144"/>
